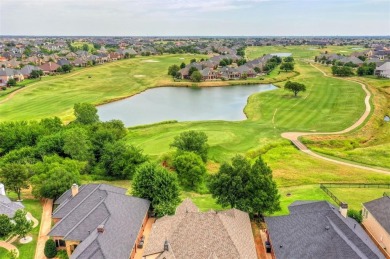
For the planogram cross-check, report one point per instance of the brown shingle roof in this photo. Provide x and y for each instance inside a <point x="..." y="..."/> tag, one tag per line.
<point x="193" y="234"/>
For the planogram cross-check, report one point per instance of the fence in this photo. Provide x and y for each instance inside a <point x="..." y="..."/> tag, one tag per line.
<point x="327" y="191"/>
<point x="357" y="185"/>
<point x="325" y="186"/>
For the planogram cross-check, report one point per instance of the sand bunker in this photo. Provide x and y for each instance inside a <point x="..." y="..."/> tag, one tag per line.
<point x="138" y="76"/>
<point x="150" y="61"/>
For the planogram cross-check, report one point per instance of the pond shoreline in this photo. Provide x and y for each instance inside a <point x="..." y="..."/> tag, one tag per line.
<point x="206" y="84"/>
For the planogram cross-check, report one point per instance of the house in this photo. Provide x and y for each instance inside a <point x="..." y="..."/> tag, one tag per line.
<point x="79" y="62"/>
<point x="26" y="70"/>
<point x="49" y="67"/>
<point x="193" y="234"/>
<point x="8" y="73"/>
<point x="353" y="60"/>
<point x="8" y="207"/>
<point x="208" y="74"/>
<point x="63" y="61"/>
<point x="383" y="70"/>
<point x="98" y="221"/>
<point x="316" y="229"/>
<point x="376" y="220"/>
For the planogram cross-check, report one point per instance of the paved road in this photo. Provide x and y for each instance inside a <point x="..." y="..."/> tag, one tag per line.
<point x="294" y="136"/>
<point x="9" y="247"/>
<point x="44" y="229"/>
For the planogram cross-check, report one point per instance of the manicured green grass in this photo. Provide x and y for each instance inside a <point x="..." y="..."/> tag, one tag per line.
<point x="27" y="251"/>
<point x="356" y="196"/>
<point x="305" y="51"/>
<point x="56" y="95"/>
<point x="369" y="145"/>
<point x="3" y="253"/>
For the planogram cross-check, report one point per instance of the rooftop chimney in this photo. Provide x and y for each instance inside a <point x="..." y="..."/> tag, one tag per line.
<point x="166" y="245"/>
<point x="100" y="229"/>
<point x="75" y="189"/>
<point x="343" y="209"/>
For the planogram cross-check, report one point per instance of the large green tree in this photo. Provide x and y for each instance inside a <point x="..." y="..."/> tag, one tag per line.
<point x="85" y="113"/>
<point x="172" y="70"/>
<point x="77" y="144"/>
<point x="15" y="177"/>
<point x="192" y="141"/>
<point x="54" y="175"/>
<point x="120" y="161"/>
<point x="287" y="66"/>
<point x="295" y="87"/>
<point x="196" y="76"/>
<point x="155" y="183"/>
<point x="190" y="169"/>
<point x="246" y="187"/>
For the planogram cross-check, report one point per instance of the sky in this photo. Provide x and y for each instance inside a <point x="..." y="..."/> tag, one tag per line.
<point x="195" y="17"/>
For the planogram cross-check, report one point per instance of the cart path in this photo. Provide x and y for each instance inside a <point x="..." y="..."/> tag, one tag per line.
<point x="294" y="136"/>
<point x="44" y="229"/>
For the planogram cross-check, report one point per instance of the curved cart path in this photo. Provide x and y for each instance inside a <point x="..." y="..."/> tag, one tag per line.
<point x="294" y="136"/>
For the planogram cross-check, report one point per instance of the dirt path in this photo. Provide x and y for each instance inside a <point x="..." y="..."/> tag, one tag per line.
<point x="44" y="229"/>
<point x="294" y="136"/>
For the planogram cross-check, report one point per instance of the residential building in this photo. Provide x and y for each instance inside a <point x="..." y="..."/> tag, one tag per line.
<point x="99" y="221"/>
<point x="317" y="229"/>
<point x="193" y="234"/>
<point x="383" y="70"/>
<point x="49" y="67"/>
<point x="8" y="73"/>
<point x="8" y="207"/>
<point x="376" y="220"/>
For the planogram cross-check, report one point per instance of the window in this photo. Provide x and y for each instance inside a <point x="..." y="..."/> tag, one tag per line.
<point x="60" y="243"/>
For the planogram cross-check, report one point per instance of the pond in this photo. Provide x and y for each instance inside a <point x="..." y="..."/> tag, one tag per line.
<point x="182" y="104"/>
<point x="387" y="118"/>
<point x="281" y="54"/>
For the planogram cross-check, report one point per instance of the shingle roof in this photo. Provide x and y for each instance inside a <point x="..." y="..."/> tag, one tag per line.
<point x="9" y="207"/>
<point x="380" y="209"/>
<point x="193" y="234"/>
<point x="317" y="230"/>
<point x="100" y="204"/>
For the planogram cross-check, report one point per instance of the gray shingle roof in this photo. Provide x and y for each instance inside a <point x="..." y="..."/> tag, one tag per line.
<point x="9" y="207"/>
<point x="193" y="234"/>
<point x="317" y="230"/>
<point x="380" y="209"/>
<point x="100" y="204"/>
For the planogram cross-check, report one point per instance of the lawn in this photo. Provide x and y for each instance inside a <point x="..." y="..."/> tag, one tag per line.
<point x="302" y="52"/>
<point x="27" y="251"/>
<point x="371" y="143"/>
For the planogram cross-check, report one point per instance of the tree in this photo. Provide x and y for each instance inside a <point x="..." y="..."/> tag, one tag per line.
<point x="192" y="141"/>
<point x="182" y="65"/>
<point x="86" y="47"/>
<point x="127" y="55"/>
<point x="245" y="187"/>
<point x="22" y="225"/>
<point x="54" y="175"/>
<point x="172" y="70"/>
<point x="241" y="61"/>
<point x="11" y="82"/>
<point x="6" y="226"/>
<point x="15" y="177"/>
<point x="193" y="60"/>
<point x="59" y="70"/>
<point x="85" y="113"/>
<point x="36" y="74"/>
<point x="342" y="70"/>
<point x="287" y="66"/>
<point x="288" y="59"/>
<point x="223" y="63"/>
<point x="120" y="161"/>
<point x="50" y="250"/>
<point x="295" y="87"/>
<point x="77" y="145"/>
<point x="355" y="214"/>
<point x="192" y="70"/>
<point x="190" y="169"/>
<point x="155" y="183"/>
<point x="196" y="76"/>
<point x="257" y="69"/>
<point x="67" y="68"/>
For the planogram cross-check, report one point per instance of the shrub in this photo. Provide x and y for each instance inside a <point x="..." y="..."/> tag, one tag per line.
<point x="50" y="249"/>
<point x="5" y="226"/>
<point x="3" y="88"/>
<point x="356" y="215"/>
